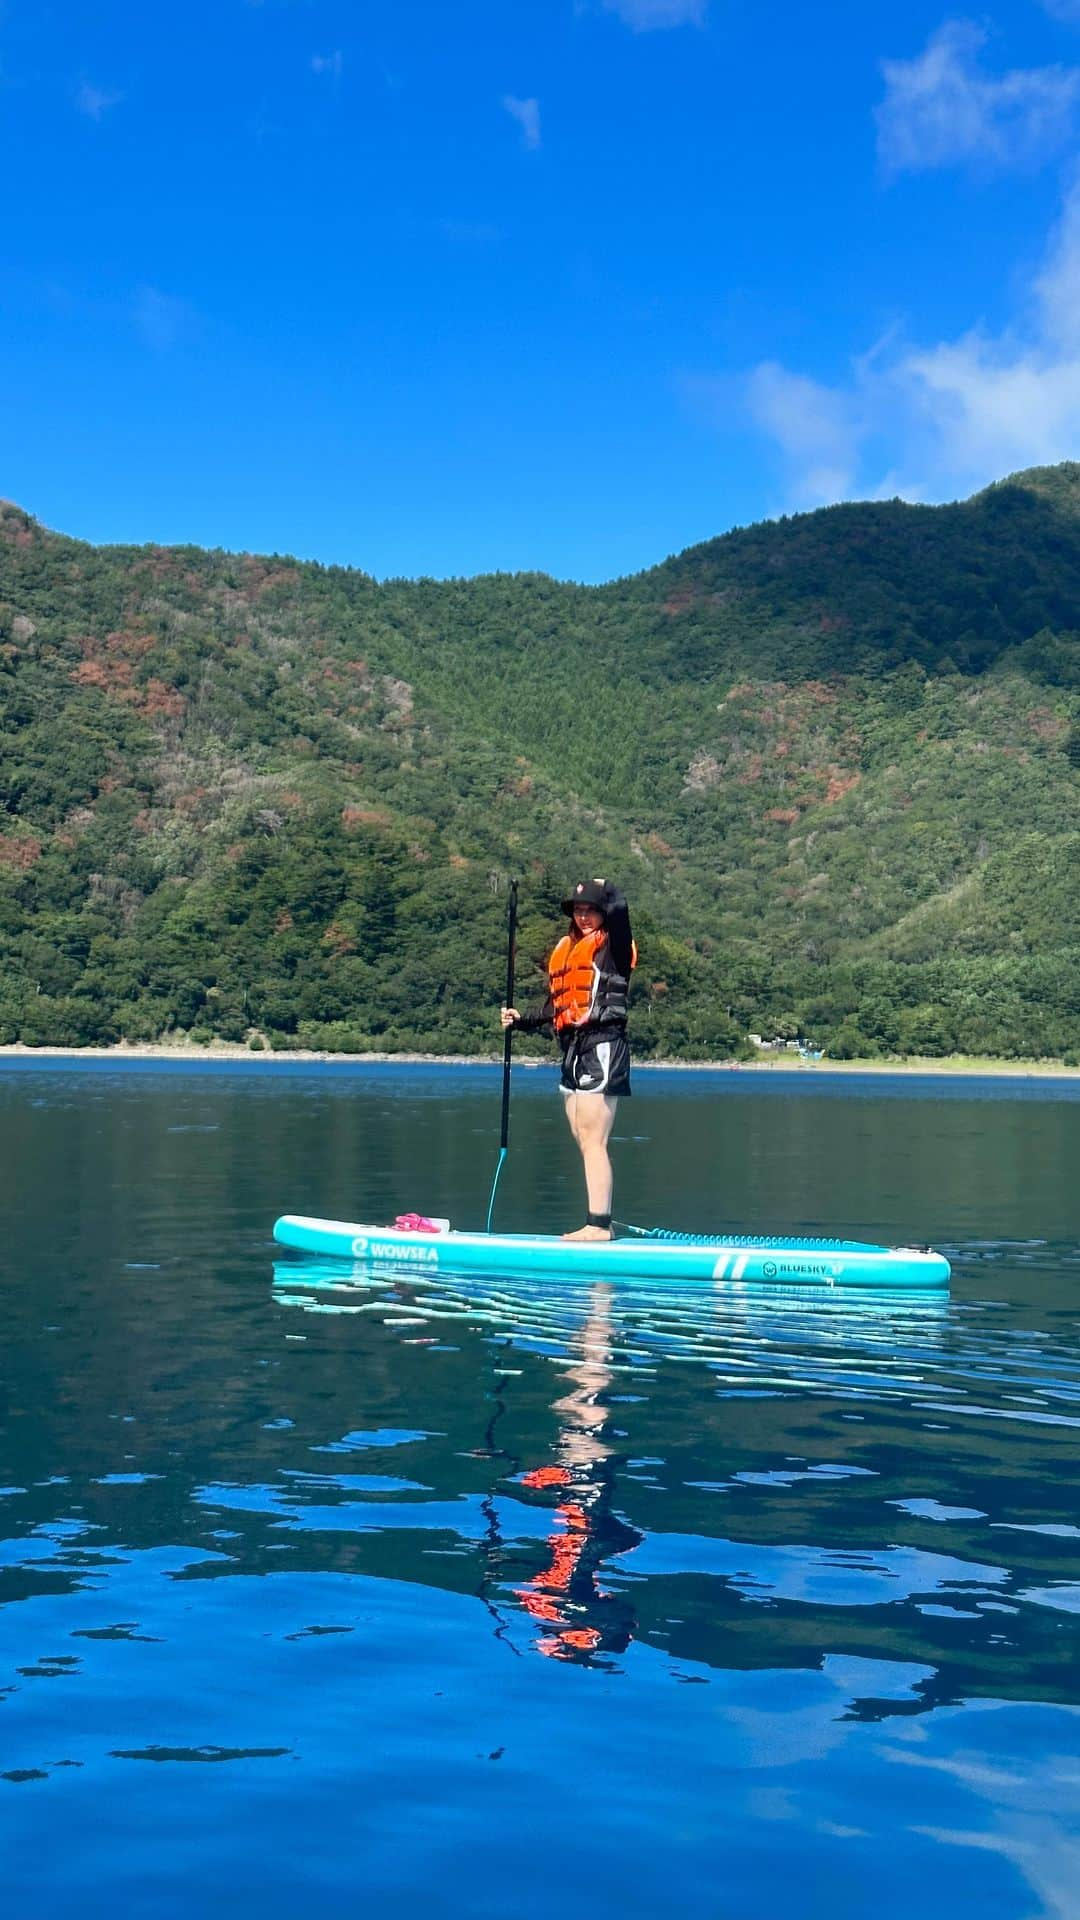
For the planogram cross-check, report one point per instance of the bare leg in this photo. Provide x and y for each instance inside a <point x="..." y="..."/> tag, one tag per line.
<point x="591" y="1117"/>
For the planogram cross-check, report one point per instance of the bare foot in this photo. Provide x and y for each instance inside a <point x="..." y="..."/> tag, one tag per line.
<point x="589" y="1233"/>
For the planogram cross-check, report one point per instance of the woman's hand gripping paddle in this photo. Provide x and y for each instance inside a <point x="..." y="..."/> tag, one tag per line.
<point x="508" y="1040"/>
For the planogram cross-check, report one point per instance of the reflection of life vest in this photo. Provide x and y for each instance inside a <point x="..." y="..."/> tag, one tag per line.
<point x="543" y="1598"/>
<point x="583" y="990"/>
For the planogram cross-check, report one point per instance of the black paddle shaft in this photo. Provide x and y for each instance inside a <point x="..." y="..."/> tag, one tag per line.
<point x="508" y="1036"/>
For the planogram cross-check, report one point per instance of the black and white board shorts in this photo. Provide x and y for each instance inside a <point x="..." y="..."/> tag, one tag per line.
<point x="597" y="1061"/>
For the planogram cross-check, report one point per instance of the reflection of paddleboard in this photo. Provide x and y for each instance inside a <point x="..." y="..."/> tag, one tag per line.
<point x="775" y="1261"/>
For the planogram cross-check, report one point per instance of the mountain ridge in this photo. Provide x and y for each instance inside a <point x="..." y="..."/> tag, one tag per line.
<point x="1059" y="483"/>
<point x="788" y="741"/>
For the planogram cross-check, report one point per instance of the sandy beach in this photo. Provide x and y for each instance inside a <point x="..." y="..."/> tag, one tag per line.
<point x="952" y="1065"/>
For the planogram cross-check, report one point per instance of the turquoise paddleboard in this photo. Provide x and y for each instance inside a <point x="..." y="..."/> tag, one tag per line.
<point x="772" y="1260"/>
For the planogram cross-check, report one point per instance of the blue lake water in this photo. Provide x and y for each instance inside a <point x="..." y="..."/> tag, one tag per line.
<point x="412" y="1595"/>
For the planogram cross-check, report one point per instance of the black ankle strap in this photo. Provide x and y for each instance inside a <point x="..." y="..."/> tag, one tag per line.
<point x="598" y="1220"/>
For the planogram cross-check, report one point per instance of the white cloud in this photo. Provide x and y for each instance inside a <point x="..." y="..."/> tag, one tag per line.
<point x="1058" y="286"/>
<point x="527" y="115"/>
<point x="817" y="427"/>
<point x="95" y="102"/>
<point x="647" y="16"/>
<point x="936" y="421"/>
<point x="944" y="109"/>
<point x="160" y="320"/>
<point x="329" y="63"/>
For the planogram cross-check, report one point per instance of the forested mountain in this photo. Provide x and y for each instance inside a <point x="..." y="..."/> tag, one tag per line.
<point x="834" y="760"/>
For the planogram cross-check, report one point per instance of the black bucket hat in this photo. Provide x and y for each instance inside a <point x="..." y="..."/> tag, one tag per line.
<point x="587" y="893"/>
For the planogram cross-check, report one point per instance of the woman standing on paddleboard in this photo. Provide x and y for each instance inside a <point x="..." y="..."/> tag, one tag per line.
<point x="588" y="984"/>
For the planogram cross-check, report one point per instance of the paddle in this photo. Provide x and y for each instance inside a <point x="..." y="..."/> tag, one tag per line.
<point x="508" y="1040"/>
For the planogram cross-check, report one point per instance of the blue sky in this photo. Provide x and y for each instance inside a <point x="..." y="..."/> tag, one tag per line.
<point x="441" y="286"/>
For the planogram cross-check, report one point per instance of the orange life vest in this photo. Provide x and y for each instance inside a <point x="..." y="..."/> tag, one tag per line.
<point x="580" y="990"/>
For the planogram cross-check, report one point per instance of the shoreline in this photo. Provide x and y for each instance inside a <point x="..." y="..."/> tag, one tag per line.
<point x="950" y="1066"/>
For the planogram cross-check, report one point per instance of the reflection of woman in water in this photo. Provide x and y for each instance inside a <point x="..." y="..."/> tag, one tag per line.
<point x="579" y="1617"/>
